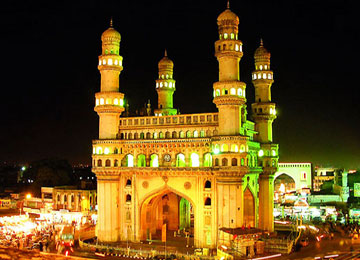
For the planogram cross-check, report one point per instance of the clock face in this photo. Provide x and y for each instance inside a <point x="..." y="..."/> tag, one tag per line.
<point x="167" y="157"/>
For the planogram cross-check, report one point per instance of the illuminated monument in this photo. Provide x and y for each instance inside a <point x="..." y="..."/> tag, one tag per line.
<point x="200" y="171"/>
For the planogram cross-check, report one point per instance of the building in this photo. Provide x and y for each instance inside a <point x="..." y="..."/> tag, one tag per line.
<point x="322" y="175"/>
<point x="293" y="177"/>
<point x="199" y="172"/>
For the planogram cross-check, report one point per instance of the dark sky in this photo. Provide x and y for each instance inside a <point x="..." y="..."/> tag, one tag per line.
<point x="49" y="70"/>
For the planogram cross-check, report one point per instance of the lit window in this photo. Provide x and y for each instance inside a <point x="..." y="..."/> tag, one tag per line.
<point x="94" y="150"/>
<point x="195" y="160"/>
<point x="116" y="62"/>
<point x="265" y="67"/>
<point x="120" y="62"/>
<point x="97" y="102"/>
<point x="110" y="62"/>
<point x="174" y="85"/>
<point x="167" y="76"/>
<point x="273" y="152"/>
<point x="160" y="114"/>
<point x="155" y="135"/>
<point x="224" y="148"/>
<point x="220" y="36"/>
<point x="161" y="84"/>
<point x="106" y="150"/>
<point x="116" y="101"/>
<point x="154" y="160"/>
<point x="240" y="47"/>
<point x="239" y="92"/>
<point x="218" y="92"/>
<point x="259" y="76"/>
<point x="216" y="149"/>
<point x="108" y="101"/>
<point x="225" y="36"/>
<point x="104" y="61"/>
<point x="130" y="160"/>
<point x="254" y="76"/>
<point x="244" y="93"/>
<point x="233" y="91"/>
<point x="236" y="47"/>
<point x="269" y="76"/>
<point x="170" y="84"/>
<point x="165" y="84"/>
<point x="207" y="160"/>
<point x="157" y="85"/>
<point x="196" y="133"/>
<point x="180" y="160"/>
<point x="242" y="148"/>
<point x="214" y="93"/>
<point x="271" y="110"/>
<point x="231" y="36"/>
<point x="99" y="62"/>
<point x="261" y="153"/>
<point x="101" y="101"/>
<point x="121" y="102"/>
<point x="162" y="76"/>
<point x="264" y="75"/>
<point x="261" y="67"/>
<point x="234" y="148"/>
<point x="99" y="150"/>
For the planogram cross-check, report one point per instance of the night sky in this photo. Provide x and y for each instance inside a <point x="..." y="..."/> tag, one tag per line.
<point x="49" y="70"/>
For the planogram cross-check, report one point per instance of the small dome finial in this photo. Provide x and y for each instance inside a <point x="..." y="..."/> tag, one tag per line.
<point x="165" y="54"/>
<point x="228" y="4"/>
<point x="261" y="42"/>
<point x="111" y="22"/>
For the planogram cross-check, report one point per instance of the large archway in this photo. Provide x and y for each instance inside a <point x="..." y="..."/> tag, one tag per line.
<point x="284" y="183"/>
<point x="167" y="207"/>
<point x="249" y="208"/>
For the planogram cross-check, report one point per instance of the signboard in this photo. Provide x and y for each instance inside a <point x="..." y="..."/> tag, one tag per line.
<point x="356" y="189"/>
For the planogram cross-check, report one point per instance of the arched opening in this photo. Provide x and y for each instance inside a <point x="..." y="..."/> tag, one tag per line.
<point x="148" y="135"/>
<point x="249" y="208"/>
<point x="128" y="198"/>
<point x="172" y="209"/>
<point x="195" y="162"/>
<point x="208" y="184"/>
<point x="217" y="162"/>
<point x="129" y="160"/>
<point x="99" y="163"/>
<point x="174" y="134"/>
<point x="128" y="182"/>
<point x="207" y="160"/>
<point x="224" y="162"/>
<point x="167" y="135"/>
<point x="154" y="160"/>
<point x="141" y="160"/>
<point x="180" y="160"/>
<point x="233" y="162"/>
<point x="116" y="163"/>
<point x="207" y="201"/>
<point x="107" y="163"/>
<point x="284" y="183"/>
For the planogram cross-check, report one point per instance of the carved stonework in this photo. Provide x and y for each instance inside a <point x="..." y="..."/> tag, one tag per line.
<point x="145" y="184"/>
<point x="187" y="185"/>
<point x="165" y="179"/>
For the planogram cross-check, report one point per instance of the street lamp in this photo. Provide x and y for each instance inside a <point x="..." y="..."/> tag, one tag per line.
<point x="28" y="196"/>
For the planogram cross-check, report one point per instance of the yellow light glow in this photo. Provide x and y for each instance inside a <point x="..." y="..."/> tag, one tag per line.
<point x="106" y="150"/>
<point x="110" y="62"/>
<point x="28" y="196"/>
<point x="121" y="102"/>
<point x="261" y="153"/>
<point x="116" y="101"/>
<point x="99" y="150"/>
<point x="102" y="101"/>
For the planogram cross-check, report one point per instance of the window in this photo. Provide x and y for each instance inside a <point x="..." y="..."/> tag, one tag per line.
<point x="141" y="160"/>
<point x="224" y="148"/>
<point x="195" y="160"/>
<point x="128" y="198"/>
<point x="154" y="160"/>
<point x="116" y="163"/>
<point x="182" y="134"/>
<point x="167" y="135"/>
<point x="234" y="148"/>
<point x="232" y="36"/>
<point x="129" y="160"/>
<point x="216" y="162"/>
<point x="225" y="36"/>
<point x="207" y="160"/>
<point x="208" y="184"/>
<point x="202" y="133"/>
<point x="102" y="101"/>
<point x="233" y="162"/>
<point x="261" y="67"/>
<point x="233" y="91"/>
<point x="207" y="201"/>
<point x="217" y="92"/>
<point x="180" y="160"/>
<point x="99" y="163"/>
<point x="236" y="47"/>
<point x="107" y="163"/>
<point x="224" y="162"/>
<point x="196" y="134"/>
<point x="174" y="134"/>
<point x="128" y="182"/>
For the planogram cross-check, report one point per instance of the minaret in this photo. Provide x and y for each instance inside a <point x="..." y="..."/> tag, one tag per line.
<point x="263" y="110"/>
<point x="165" y="87"/>
<point x="109" y="101"/>
<point x="229" y="91"/>
<point x="264" y="114"/>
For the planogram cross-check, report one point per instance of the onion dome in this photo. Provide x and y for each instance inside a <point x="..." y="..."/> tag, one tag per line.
<point x="111" y="35"/>
<point x="165" y="62"/>
<point x="228" y="15"/>
<point x="261" y="53"/>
